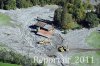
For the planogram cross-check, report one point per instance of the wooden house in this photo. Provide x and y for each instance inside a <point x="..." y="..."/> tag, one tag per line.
<point x="44" y="29"/>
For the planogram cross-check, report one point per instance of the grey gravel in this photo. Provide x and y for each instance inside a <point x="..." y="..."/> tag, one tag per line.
<point x="20" y="39"/>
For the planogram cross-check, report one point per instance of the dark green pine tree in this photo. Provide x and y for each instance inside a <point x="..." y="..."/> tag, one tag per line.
<point x="98" y="9"/>
<point x="1" y="4"/>
<point x="57" y="17"/>
<point x="92" y="19"/>
<point x="63" y="16"/>
<point x="23" y="3"/>
<point x="10" y="4"/>
<point x="35" y="2"/>
<point x="42" y="2"/>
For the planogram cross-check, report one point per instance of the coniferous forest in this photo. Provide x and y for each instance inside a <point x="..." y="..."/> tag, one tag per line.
<point x="13" y="4"/>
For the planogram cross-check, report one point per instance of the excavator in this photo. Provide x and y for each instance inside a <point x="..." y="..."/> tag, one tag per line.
<point x="62" y="49"/>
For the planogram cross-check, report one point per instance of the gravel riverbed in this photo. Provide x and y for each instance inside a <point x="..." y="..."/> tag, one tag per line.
<point x="19" y="37"/>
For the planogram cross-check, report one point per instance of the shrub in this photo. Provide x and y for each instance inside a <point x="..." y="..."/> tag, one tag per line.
<point x="92" y="19"/>
<point x="15" y="58"/>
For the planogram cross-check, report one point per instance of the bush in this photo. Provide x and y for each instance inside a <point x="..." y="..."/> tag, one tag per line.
<point x="73" y="25"/>
<point x="14" y="58"/>
<point x="67" y="21"/>
<point x="93" y="19"/>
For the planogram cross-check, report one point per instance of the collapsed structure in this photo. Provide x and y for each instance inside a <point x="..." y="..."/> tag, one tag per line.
<point x="44" y="29"/>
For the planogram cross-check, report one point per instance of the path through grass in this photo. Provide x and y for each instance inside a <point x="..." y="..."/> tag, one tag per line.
<point x="94" y="40"/>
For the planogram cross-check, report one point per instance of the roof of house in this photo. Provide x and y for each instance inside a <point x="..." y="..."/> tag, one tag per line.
<point x="45" y="33"/>
<point x="44" y="25"/>
<point x="40" y="24"/>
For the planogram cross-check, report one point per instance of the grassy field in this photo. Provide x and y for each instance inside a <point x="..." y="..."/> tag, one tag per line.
<point x="4" y="19"/>
<point x="94" y="40"/>
<point x="7" y="64"/>
<point x="85" y="59"/>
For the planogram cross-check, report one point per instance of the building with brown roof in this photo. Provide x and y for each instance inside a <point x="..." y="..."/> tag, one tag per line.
<point x="44" y="29"/>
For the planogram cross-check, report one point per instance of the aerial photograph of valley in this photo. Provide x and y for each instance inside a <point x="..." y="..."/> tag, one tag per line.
<point x="49" y="32"/>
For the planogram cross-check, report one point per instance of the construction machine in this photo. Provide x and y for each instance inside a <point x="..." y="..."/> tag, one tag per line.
<point x="62" y="48"/>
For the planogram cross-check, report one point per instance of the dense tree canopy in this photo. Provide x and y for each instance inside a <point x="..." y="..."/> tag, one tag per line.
<point x="92" y="19"/>
<point x="74" y="11"/>
<point x="1" y="4"/>
<point x="23" y="3"/>
<point x="15" y="58"/>
<point x="12" y="4"/>
<point x="67" y="22"/>
<point x="57" y="15"/>
<point x="98" y="9"/>
<point x="71" y="11"/>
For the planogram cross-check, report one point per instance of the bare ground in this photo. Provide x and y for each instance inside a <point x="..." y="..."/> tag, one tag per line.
<point x="20" y="39"/>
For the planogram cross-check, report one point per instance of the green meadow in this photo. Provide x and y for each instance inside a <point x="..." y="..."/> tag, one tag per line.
<point x="93" y="40"/>
<point x="4" y="19"/>
<point x="85" y="59"/>
<point x="7" y="64"/>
